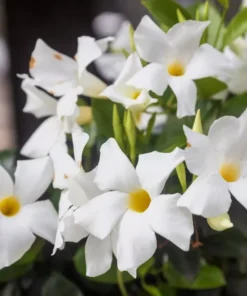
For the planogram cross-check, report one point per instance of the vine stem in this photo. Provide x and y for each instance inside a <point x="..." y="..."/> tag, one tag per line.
<point x="121" y="283"/>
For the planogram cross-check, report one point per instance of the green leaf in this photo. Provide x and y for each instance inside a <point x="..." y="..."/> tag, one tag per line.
<point x="224" y="3"/>
<point x="236" y="28"/>
<point x="102" y="114"/>
<point x="207" y="87"/>
<point x="59" y="285"/>
<point x="7" y="160"/>
<point x="131" y="133"/>
<point x="165" y="12"/>
<point x="33" y="253"/>
<point x="110" y="277"/>
<point x="209" y="277"/>
<point x="117" y="127"/>
<point x="172" y="135"/>
<point x="235" y="106"/>
<point x="144" y="268"/>
<point x="13" y="272"/>
<point x="229" y="243"/>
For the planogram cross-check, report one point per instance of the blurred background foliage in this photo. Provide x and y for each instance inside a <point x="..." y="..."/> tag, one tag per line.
<point x="217" y="262"/>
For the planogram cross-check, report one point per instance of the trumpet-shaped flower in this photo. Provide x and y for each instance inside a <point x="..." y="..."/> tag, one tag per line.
<point x="58" y="73"/>
<point x="98" y="253"/>
<point x="136" y="99"/>
<point x="176" y="59"/>
<point x="62" y="119"/>
<point x="133" y="205"/>
<point x="111" y="64"/>
<point x="22" y="216"/>
<point x="219" y="161"/>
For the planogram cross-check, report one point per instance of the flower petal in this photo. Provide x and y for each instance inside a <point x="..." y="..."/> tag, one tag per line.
<point x="186" y="92"/>
<point x="207" y="62"/>
<point x="38" y="102"/>
<point x="98" y="255"/>
<point x="154" y="168"/>
<point x="100" y="215"/>
<point x="131" y="67"/>
<point x="121" y="40"/>
<point x="185" y="38"/>
<point x="6" y="183"/>
<point x="91" y="84"/>
<point x="198" y="153"/>
<point x="16" y="239"/>
<point x="152" y="77"/>
<point x="52" y="70"/>
<point x="32" y="178"/>
<point x="208" y="196"/>
<point x="64" y="204"/>
<point x="67" y="104"/>
<point x="238" y="190"/>
<point x="41" y="218"/>
<point x="136" y="241"/>
<point x="76" y="194"/>
<point x="79" y="139"/>
<point x="44" y="138"/>
<point x="151" y="42"/>
<point x="172" y="222"/>
<point x="115" y="171"/>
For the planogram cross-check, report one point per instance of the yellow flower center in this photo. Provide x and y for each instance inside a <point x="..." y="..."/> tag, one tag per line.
<point x="176" y="69"/>
<point x="230" y="172"/>
<point x="135" y="95"/>
<point x="139" y="201"/>
<point x="9" y="206"/>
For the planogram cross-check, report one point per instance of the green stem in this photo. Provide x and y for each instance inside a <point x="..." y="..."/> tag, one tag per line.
<point x="121" y="283"/>
<point x="219" y="28"/>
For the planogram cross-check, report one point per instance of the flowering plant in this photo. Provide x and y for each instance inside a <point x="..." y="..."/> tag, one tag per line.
<point x="148" y="173"/>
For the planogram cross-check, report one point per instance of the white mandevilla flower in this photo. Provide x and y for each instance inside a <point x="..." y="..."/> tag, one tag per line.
<point x="98" y="253"/>
<point x="58" y="73"/>
<point x="63" y="114"/>
<point x="22" y="217"/>
<point x="142" y="119"/>
<point x="111" y="64"/>
<point x="237" y="56"/>
<point x="130" y="97"/>
<point x="176" y="59"/>
<point x="134" y="206"/>
<point x="65" y="166"/>
<point x="219" y="161"/>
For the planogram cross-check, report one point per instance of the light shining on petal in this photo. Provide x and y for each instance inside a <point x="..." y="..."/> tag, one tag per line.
<point x="186" y="94"/>
<point x="115" y="171"/>
<point x="154" y="168"/>
<point x="79" y="139"/>
<point x="136" y="241"/>
<point x="32" y="178"/>
<point x="38" y="102"/>
<point x="207" y="196"/>
<point x="98" y="254"/>
<point x="172" y="222"/>
<point x="44" y="138"/>
<point x="92" y="85"/>
<point x="151" y="42"/>
<point x="152" y="77"/>
<point x="41" y="218"/>
<point x="207" y="62"/>
<point x="101" y="214"/>
<point x="239" y="191"/>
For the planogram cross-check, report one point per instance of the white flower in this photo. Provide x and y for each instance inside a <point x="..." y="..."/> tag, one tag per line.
<point x="65" y="166"/>
<point x="219" y="161"/>
<point x="134" y="207"/>
<point x="142" y="119"/>
<point x="98" y="253"/>
<point x="176" y="59"/>
<point x="111" y="64"/>
<point x="62" y="119"/>
<point x="130" y="97"/>
<point x="236" y="81"/>
<point x="21" y="216"/>
<point x="58" y="73"/>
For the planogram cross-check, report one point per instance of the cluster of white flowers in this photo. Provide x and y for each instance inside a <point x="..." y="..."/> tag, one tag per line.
<point x="118" y="207"/>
